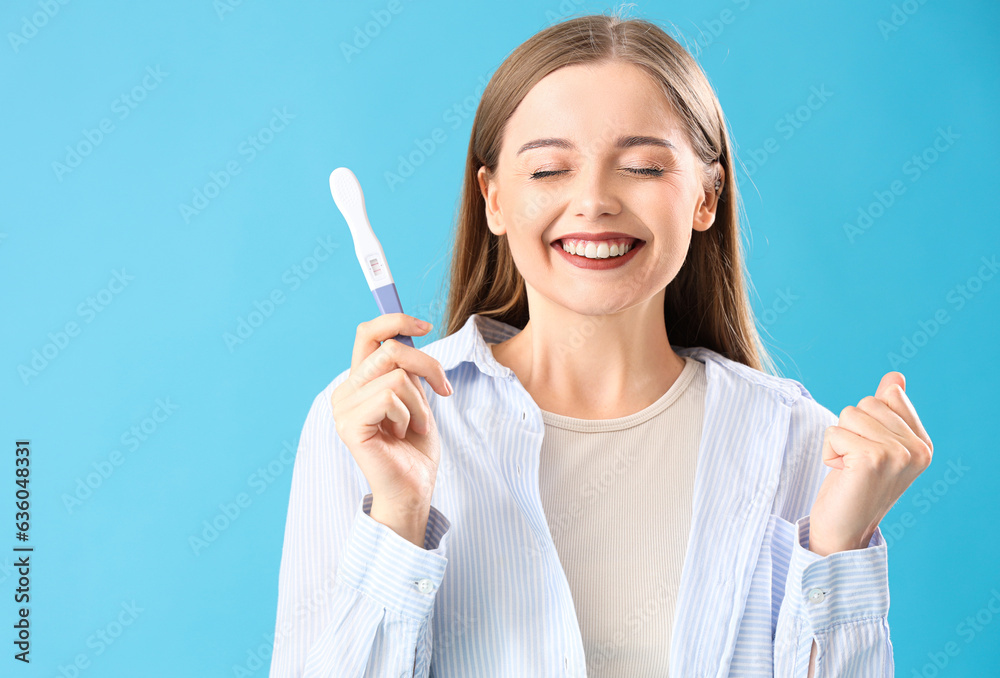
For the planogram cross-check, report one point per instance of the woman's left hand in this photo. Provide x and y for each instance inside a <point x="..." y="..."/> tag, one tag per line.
<point x="875" y="451"/>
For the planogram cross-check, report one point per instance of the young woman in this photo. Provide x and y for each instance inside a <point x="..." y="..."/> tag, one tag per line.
<point x="614" y="485"/>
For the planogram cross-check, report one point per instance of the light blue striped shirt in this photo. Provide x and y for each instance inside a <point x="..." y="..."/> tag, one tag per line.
<point x="487" y="596"/>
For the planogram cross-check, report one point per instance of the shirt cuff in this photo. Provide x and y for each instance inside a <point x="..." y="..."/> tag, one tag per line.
<point x="391" y="569"/>
<point x="839" y="587"/>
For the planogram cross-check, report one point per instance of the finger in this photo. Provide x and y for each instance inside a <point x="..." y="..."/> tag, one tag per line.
<point x="890" y="379"/>
<point x="882" y="425"/>
<point x="843" y="448"/>
<point x="372" y="333"/>
<point x="899" y="402"/>
<point x="416" y="382"/>
<point x="393" y="354"/>
<point x="855" y="449"/>
<point x="831" y="455"/>
<point x="402" y="386"/>
<point x="881" y="414"/>
<point x="385" y="409"/>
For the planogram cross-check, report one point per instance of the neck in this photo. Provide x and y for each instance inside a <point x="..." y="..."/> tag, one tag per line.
<point x="593" y="366"/>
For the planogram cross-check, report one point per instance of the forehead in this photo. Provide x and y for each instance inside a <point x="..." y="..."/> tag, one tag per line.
<point x="594" y="103"/>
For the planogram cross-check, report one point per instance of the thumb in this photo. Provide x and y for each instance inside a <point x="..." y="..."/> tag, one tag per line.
<point x="890" y="378"/>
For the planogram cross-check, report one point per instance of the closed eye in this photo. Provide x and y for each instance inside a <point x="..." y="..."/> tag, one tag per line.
<point x="642" y="171"/>
<point x="648" y="171"/>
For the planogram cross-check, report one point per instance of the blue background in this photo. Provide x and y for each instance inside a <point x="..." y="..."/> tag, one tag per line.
<point x="224" y="70"/>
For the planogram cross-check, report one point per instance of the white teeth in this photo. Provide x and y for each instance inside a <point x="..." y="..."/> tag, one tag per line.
<point x="596" y="250"/>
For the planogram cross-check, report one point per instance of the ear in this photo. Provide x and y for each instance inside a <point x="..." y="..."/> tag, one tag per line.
<point x="704" y="216"/>
<point x="488" y="187"/>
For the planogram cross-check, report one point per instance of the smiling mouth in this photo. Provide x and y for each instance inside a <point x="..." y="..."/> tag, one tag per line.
<point x="610" y="248"/>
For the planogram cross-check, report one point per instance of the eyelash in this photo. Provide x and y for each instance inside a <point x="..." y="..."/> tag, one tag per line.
<point x="643" y="171"/>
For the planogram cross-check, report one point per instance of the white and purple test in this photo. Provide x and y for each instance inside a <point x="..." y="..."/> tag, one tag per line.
<point x="350" y="200"/>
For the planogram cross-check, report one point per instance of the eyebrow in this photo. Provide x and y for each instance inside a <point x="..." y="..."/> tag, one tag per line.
<point x="621" y="142"/>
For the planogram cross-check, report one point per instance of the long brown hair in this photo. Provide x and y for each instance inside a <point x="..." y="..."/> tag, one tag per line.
<point x="707" y="303"/>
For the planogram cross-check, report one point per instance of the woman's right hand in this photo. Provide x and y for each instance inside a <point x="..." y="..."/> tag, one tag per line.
<point x="383" y="417"/>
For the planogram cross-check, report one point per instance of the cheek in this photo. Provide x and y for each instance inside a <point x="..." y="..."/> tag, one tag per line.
<point x="532" y="207"/>
<point x="670" y="254"/>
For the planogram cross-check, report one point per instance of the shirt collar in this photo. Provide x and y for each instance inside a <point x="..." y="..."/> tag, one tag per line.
<point x="469" y="344"/>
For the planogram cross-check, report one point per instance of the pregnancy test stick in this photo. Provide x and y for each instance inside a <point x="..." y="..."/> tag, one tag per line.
<point x="351" y="201"/>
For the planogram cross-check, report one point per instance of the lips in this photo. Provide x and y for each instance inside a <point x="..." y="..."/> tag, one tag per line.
<point x="598" y="264"/>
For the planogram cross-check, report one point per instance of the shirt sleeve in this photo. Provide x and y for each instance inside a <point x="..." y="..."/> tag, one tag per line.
<point x="354" y="598"/>
<point x="840" y="601"/>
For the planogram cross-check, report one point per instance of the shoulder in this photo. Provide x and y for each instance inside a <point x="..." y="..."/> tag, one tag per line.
<point x="319" y="427"/>
<point x="790" y="392"/>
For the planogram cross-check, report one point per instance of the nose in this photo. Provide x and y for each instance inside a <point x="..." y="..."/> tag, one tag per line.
<point x="595" y="194"/>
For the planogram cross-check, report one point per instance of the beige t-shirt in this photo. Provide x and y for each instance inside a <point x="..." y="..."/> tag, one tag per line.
<point x="617" y="496"/>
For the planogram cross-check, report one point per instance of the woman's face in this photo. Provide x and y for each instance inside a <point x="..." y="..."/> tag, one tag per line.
<point x="592" y="149"/>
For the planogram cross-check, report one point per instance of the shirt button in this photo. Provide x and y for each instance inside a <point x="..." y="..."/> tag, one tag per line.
<point x="566" y="662"/>
<point x="425" y="585"/>
<point x="816" y="595"/>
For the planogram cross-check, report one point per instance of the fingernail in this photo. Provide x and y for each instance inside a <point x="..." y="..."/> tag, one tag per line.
<point x="448" y="385"/>
<point x="424" y="325"/>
